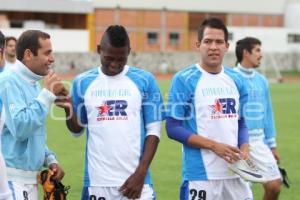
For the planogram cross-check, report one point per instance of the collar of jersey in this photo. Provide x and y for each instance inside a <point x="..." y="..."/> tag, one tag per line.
<point x="211" y="74"/>
<point x="122" y="73"/>
<point x="246" y="72"/>
<point x="26" y="73"/>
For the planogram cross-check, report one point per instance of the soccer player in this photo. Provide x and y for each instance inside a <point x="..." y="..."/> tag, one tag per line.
<point x="10" y="52"/>
<point x="26" y="106"/>
<point x="259" y="116"/>
<point x="204" y="115"/>
<point x="121" y="107"/>
<point x="4" y="189"/>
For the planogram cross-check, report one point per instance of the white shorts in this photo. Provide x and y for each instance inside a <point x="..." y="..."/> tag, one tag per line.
<point x="22" y="191"/>
<point x="263" y="158"/>
<point x="233" y="189"/>
<point x="4" y="189"/>
<point x="112" y="193"/>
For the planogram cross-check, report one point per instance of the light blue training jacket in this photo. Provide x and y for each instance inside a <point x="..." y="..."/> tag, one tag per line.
<point x="24" y="132"/>
<point x="258" y="112"/>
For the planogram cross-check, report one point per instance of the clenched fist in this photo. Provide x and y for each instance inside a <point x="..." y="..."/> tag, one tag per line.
<point x="53" y="83"/>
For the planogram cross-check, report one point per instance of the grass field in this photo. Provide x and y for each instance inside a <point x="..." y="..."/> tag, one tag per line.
<point x="166" y="167"/>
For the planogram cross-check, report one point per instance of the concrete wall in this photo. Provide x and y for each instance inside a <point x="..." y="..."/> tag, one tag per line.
<point x="169" y="62"/>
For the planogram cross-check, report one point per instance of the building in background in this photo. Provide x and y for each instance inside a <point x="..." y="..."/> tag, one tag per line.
<point x="153" y="25"/>
<point x="162" y="32"/>
<point x="171" y="25"/>
<point x="67" y="21"/>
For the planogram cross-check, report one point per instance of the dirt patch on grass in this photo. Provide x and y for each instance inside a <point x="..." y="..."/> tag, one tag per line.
<point x="291" y="79"/>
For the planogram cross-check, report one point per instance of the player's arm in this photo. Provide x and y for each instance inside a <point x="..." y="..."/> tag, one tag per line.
<point x="64" y="101"/>
<point x="133" y="186"/>
<point x="23" y="118"/>
<point x="176" y="131"/>
<point x="243" y="138"/>
<point x="74" y="109"/>
<point x="72" y="121"/>
<point x="270" y="133"/>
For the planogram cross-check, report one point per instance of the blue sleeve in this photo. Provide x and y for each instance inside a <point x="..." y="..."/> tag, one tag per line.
<point x="78" y="100"/>
<point x="269" y="125"/>
<point x="176" y="131"/>
<point x="243" y="97"/>
<point x="153" y="107"/>
<point x="243" y="136"/>
<point x="241" y="85"/>
<point x="21" y="118"/>
<point x="179" y="103"/>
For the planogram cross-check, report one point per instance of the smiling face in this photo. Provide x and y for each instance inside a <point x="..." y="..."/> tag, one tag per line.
<point x="212" y="49"/>
<point x="113" y="59"/>
<point x="40" y="64"/>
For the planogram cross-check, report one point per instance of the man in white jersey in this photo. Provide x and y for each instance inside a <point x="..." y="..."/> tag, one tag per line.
<point x="10" y="52"/>
<point x="204" y="115"/>
<point x="122" y="110"/>
<point x="4" y="189"/>
<point x="259" y="115"/>
<point x="26" y="107"/>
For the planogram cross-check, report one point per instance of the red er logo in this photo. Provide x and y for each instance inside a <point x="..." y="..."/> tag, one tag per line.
<point x="218" y="107"/>
<point x="103" y="110"/>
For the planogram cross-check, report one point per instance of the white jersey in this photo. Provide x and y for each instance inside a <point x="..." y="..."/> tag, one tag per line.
<point x="116" y="110"/>
<point x="209" y="104"/>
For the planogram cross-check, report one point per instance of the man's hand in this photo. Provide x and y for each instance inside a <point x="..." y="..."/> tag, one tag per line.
<point x="276" y="154"/>
<point x="53" y="83"/>
<point x="63" y="99"/>
<point x="133" y="186"/>
<point x="245" y="151"/>
<point x="229" y="153"/>
<point x="58" y="171"/>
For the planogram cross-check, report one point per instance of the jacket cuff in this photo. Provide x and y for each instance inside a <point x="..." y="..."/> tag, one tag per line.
<point x="50" y="159"/>
<point x="46" y="97"/>
<point x="271" y="142"/>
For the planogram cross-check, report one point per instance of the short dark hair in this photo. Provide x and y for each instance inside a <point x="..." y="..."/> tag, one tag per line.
<point x="30" y="40"/>
<point x="7" y="39"/>
<point x="212" y="22"/>
<point x="116" y="35"/>
<point x="247" y="44"/>
<point x="2" y="40"/>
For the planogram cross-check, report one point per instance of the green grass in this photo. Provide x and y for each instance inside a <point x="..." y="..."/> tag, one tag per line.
<point x="289" y="73"/>
<point x="166" y="167"/>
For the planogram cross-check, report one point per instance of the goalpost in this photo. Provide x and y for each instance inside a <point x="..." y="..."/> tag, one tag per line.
<point x="270" y="68"/>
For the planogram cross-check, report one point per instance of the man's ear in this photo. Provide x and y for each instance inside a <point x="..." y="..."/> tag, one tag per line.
<point x="98" y="48"/>
<point x="129" y="50"/>
<point x="27" y="54"/>
<point x="227" y="45"/>
<point x="245" y="52"/>
<point x="198" y="44"/>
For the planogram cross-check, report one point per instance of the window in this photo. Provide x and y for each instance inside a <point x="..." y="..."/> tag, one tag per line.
<point x="152" y="37"/>
<point x="174" y="38"/>
<point x="293" y="38"/>
<point x="16" y="24"/>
